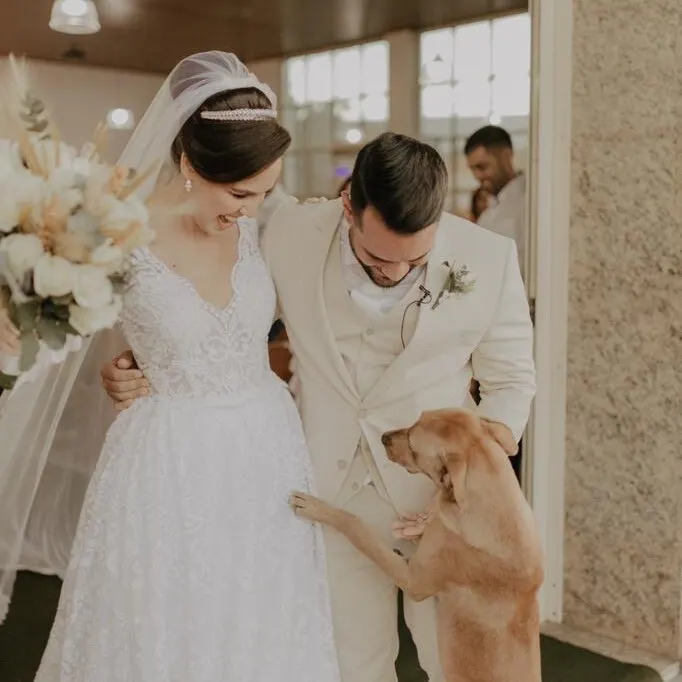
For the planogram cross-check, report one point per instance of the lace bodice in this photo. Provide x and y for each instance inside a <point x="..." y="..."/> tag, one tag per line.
<point x="189" y="348"/>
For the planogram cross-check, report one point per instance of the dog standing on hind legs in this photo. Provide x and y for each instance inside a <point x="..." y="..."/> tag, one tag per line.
<point x="479" y="553"/>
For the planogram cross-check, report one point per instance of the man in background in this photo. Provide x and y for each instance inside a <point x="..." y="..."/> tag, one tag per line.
<point x="490" y="157"/>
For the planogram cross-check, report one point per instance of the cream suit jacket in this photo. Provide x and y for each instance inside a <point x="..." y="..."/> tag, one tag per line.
<point x="486" y="333"/>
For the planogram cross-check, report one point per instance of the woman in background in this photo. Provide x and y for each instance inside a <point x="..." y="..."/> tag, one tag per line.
<point x="480" y="200"/>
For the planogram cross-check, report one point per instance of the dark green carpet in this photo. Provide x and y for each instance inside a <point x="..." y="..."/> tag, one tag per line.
<point x="24" y="635"/>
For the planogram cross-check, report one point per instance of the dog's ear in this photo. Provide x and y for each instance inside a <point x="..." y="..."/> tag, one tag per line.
<point x="453" y="478"/>
<point x="502" y="435"/>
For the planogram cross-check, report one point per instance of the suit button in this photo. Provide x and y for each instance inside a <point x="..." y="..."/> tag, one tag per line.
<point x="370" y="332"/>
<point x="355" y="486"/>
<point x="342" y="464"/>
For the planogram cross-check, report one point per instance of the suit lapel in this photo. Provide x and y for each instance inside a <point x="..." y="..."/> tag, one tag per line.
<point x="329" y="224"/>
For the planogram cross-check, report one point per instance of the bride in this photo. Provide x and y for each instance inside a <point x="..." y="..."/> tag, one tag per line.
<point x="188" y="565"/>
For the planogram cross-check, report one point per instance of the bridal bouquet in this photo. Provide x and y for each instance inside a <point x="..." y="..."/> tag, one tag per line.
<point x="68" y="221"/>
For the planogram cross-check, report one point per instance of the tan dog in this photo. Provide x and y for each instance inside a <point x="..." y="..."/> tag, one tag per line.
<point x="480" y="552"/>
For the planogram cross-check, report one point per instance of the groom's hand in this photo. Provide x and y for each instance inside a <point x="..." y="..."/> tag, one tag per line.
<point x="123" y="381"/>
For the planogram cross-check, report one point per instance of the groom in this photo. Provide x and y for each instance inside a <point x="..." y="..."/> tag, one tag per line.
<point x="380" y="333"/>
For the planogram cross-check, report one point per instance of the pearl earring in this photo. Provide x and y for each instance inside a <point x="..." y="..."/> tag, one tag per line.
<point x="188" y="185"/>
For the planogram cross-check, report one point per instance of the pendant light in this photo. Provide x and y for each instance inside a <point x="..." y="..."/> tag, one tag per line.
<point x="76" y="17"/>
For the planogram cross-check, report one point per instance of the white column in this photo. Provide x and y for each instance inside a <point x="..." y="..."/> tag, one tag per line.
<point x="550" y="211"/>
<point x="404" y="82"/>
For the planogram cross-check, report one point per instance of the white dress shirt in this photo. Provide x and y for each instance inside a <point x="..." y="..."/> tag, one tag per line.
<point x="506" y="215"/>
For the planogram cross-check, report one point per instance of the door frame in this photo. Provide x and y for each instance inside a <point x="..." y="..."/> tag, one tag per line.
<point x="550" y="212"/>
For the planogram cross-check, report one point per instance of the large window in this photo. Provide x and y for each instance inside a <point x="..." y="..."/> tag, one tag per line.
<point x="334" y="102"/>
<point x="472" y="75"/>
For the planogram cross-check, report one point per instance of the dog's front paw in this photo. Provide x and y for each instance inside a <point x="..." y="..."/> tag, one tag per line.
<point x="312" y="508"/>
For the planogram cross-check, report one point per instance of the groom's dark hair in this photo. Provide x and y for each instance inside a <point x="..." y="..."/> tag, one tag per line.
<point x="403" y="179"/>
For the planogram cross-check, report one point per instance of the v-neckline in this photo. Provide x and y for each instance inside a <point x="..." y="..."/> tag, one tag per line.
<point x="212" y="307"/>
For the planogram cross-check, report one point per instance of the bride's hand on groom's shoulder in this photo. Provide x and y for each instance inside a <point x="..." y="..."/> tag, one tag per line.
<point x="123" y="381"/>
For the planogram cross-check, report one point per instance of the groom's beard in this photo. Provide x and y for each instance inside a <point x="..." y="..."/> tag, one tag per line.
<point x="379" y="278"/>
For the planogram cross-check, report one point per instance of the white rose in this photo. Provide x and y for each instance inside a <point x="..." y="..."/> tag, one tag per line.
<point x="61" y="179"/>
<point x="92" y="288"/>
<point x="53" y="155"/>
<point x="23" y="252"/>
<point x="10" y="211"/>
<point x="118" y="215"/>
<point x="10" y="159"/>
<point x="53" y="276"/>
<point x="19" y="189"/>
<point x="87" y="321"/>
<point x="81" y="166"/>
<point x="96" y="188"/>
<point x="107" y="256"/>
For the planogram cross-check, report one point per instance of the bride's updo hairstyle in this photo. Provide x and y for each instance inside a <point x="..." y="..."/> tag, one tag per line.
<point x="233" y="135"/>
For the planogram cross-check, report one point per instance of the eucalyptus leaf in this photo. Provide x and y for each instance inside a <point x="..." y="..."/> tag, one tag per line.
<point x="29" y="351"/>
<point x="27" y="315"/>
<point x="39" y="126"/>
<point x="53" y="333"/>
<point x="55" y="312"/>
<point x="7" y="381"/>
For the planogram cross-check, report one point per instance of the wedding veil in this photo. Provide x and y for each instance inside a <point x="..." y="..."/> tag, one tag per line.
<point x="52" y="429"/>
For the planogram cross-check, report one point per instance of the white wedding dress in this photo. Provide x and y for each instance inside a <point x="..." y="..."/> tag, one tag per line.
<point x="188" y="565"/>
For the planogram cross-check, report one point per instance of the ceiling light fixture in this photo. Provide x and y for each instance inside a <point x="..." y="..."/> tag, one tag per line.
<point x="76" y="17"/>
<point x="437" y="70"/>
<point x="354" y="136"/>
<point x="120" y="119"/>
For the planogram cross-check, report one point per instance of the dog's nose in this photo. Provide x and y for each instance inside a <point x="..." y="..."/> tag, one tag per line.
<point x="386" y="439"/>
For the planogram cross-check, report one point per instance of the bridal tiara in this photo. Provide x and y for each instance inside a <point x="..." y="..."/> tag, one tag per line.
<point x="239" y="115"/>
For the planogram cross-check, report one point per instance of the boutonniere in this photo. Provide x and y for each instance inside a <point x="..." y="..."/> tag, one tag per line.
<point x="459" y="281"/>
